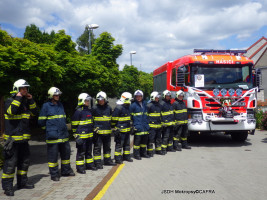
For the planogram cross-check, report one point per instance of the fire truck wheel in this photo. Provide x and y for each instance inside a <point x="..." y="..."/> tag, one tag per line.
<point x="239" y="136"/>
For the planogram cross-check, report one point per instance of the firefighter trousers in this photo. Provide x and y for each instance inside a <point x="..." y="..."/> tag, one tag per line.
<point x="84" y="158"/>
<point x="170" y="139"/>
<point x="140" y="144"/>
<point x="154" y="137"/>
<point x="165" y="137"/>
<point x="20" y="158"/>
<point x="123" y="142"/>
<point x="52" y="153"/>
<point x="105" y="140"/>
<point x="183" y="133"/>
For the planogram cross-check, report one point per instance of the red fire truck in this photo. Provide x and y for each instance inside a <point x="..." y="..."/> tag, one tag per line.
<point x="221" y="90"/>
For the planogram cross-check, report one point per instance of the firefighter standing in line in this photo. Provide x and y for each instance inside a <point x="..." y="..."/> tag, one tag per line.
<point x="82" y="127"/>
<point x="52" y="118"/>
<point x="102" y="130"/>
<point x="121" y="119"/>
<point x="18" y="110"/>
<point x="138" y="111"/>
<point x="167" y="122"/>
<point x="181" y="118"/>
<point x="154" y="118"/>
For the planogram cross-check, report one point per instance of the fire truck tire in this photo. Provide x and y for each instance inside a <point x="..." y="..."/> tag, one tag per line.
<point x="239" y="136"/>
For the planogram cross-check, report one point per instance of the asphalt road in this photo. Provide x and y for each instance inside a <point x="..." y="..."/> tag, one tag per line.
<point x="215" y="168"/>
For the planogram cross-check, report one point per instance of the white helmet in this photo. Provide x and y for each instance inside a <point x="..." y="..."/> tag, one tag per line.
<point x="53" y="91"/>
<point x="19" y="84"/>
<point x="101" y="95"/>
<point x="180" y="93"/>
<point x="154" y="95"/>
<point x="126" y="97"/>
<point x="82" y="98"/>
<point x="138" y="93"/>
<point x="166" y="93"/>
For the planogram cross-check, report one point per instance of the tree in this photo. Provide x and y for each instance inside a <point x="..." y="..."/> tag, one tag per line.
<point x="107" y="53"/>
<point x="129" y="79"/>
<point x="33" y="34"/>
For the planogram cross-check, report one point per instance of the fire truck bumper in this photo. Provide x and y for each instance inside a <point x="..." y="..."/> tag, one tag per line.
<point x="222" y="124"/>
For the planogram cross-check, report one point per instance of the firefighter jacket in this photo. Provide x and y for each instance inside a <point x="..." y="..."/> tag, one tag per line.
<point x="139" y="116"/>
<point x="52" y="118"/>
<point x="167" y="113"/>
<point x="102" y="118"/>
<point x="17" y="117"/>
<point x="154" y="114"/>
<point x="121" y="117"/>
<point x="180" y="112"/>
<point x="82" y="122"/>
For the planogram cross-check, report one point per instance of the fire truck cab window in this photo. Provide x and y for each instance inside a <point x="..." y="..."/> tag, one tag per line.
<point x="223" y="76"/>
<point x="173" y="81"/>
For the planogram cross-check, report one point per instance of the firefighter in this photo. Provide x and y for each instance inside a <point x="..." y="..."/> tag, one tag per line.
<point x="52" y="118"/>
<point x="121" y="119"/>
<point x="167" y="122"/>
<point x="154" y="118"/>
<point x="82" y="127"/>
<point x="102" y="130"/>
<point x="18" y="109"/>
<point x="181" y="119"/>
<point x="138" y="111"/>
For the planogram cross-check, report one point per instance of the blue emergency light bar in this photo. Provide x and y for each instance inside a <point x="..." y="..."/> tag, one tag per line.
<point x="219" y="51"/>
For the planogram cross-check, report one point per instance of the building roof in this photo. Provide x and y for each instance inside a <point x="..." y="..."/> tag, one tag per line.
<point x="256" y="50"/>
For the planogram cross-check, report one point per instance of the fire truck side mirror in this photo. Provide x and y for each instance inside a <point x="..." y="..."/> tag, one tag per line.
<point x="258" y="78"/>
<point x="181" y="76"/>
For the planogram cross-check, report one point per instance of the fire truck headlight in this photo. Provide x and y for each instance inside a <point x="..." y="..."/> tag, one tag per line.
<point x="239" y="92"/>
<point x="231" y="92"/>
<point x="223" y="91"/>
<point x="216" y="92"/>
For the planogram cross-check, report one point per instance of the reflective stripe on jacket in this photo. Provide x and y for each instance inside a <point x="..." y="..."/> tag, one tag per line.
<point x="154" y="114"/>
<point x="18" y="111"/>
<point x="53" y="119"/>
<point x="139" y="116"/>
<point x="167" y="113"/>
<point x="180" y="112"/>
<point x="102" y="118"/>
<point x="82" y="122"/>
<point x="121" y="117"/>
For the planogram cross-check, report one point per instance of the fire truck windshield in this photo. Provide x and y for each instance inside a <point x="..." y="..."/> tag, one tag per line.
<point x="207" y="76"/>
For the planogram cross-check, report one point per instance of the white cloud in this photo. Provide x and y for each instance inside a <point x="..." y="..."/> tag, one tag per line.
<point x="158" y="30"/>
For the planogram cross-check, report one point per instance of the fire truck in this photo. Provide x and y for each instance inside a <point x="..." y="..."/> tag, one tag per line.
<point x="220" y="90"/>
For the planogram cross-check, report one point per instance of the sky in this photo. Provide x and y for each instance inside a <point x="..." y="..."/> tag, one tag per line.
<point x="158" y="30"/>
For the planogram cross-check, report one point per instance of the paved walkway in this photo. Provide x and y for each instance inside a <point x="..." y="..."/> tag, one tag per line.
<point x="161" y="177"/>
<point x="77" y="187"/>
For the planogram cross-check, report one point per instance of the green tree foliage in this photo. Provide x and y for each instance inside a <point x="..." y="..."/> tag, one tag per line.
<point x="106" y="53"/>
<point x="132" y="79"/>
<point x="33" y="34"/>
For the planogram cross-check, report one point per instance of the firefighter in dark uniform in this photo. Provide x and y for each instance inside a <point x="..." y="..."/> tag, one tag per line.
<point x="82" y="127"/>
<point x="18" y="110"/>
<point x="102" y="129"/>
<point x="154" y="118"/>
<point x="181" y="119"/>
<point x="52" y="118"/>
<point x="138" y="111"/>
<point x="167" y="122"/>
<point x="121" y="120"/>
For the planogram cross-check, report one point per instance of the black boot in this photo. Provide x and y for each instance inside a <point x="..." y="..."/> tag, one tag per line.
<point x="25" y="186"/>
<point x="91" y="167"/>
<point x="109" y="163"/>
<point x="9" y="192"/>
<point x="159" y="153"/>
<point x="118" y="161"/>
<point x="55" y="178"/>
<point x="81" y="171"/>
<point x="136" y="153"/>
<point x="177" y="148"/>
<point x="143" y="153"/>
<point x="164" y="151"/>
<point x="99" y="166"/>
<point x="185" y="145"/>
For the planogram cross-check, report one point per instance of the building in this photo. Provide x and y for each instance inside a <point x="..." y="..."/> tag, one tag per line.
<point x="258" y="53"/>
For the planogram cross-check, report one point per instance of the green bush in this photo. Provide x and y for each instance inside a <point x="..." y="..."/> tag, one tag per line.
<point x="264" y="121"/>
<point x="259" y="117"/>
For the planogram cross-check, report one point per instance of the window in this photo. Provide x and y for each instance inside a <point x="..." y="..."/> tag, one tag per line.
<point x="173" y="81"/>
